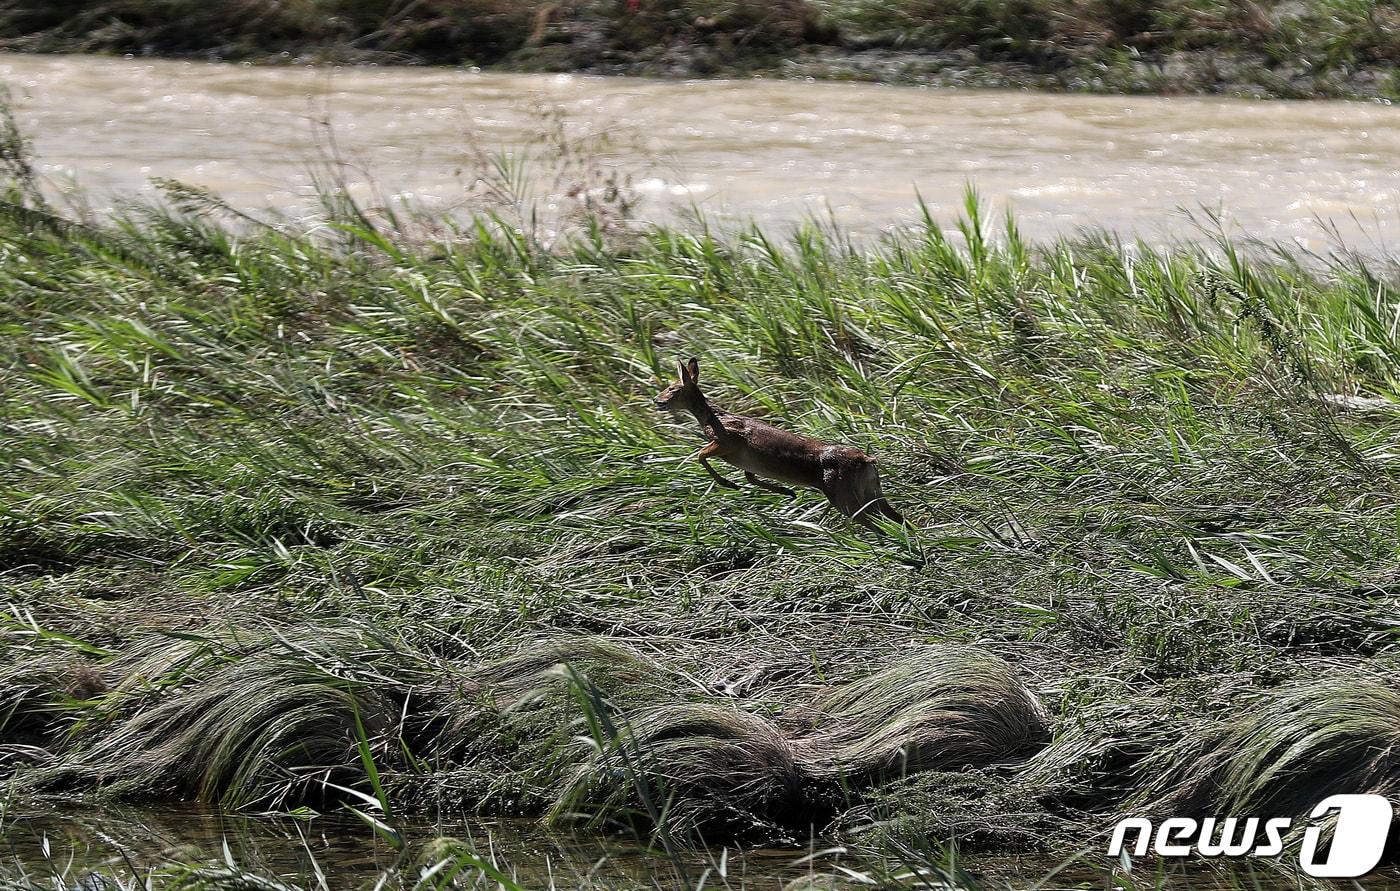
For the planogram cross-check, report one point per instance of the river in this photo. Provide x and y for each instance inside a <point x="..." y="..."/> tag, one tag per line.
<point x="769" y="151"/>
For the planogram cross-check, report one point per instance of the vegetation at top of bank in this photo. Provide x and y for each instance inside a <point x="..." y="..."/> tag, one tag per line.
<point x="1289" y="48"/>
<point x="377" y="512"/>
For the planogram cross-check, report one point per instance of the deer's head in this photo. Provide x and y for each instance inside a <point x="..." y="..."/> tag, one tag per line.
<point x="684" y="395"/>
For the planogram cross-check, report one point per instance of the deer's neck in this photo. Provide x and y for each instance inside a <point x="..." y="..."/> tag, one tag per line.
<point x="708" y="419"/>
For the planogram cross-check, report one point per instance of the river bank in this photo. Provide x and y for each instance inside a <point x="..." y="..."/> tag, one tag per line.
<point x="1305" y="49"/>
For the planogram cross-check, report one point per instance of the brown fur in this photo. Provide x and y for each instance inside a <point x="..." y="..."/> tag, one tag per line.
<point x="844" y="474"/>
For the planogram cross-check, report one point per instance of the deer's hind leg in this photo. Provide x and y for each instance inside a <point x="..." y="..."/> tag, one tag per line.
<point x="888" y="511"/>
<point x="843" y="488"/>
<point x="771" y="487"/>
<point x="837" y="488"/>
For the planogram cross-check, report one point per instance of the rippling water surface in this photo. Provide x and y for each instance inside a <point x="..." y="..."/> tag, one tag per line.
<point x="764" y="150"/>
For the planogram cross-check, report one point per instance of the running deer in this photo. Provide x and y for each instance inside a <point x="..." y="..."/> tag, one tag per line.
<point x="844" y="474"/>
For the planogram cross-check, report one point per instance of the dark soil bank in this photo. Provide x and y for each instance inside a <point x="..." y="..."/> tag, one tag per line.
<point x="1293" y="49"/>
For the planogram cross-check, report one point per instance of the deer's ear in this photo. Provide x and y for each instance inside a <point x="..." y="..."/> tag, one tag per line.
<point x="685" y="373"/>
<point x="693" y="366"/>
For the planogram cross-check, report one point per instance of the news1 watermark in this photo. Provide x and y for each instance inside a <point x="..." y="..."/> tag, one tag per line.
<point x="1357" y="843"/>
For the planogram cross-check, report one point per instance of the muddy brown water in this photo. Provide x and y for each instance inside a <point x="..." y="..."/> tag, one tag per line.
<point x="763" y="150"/>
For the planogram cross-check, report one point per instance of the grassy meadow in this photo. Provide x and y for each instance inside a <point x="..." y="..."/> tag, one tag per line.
<point x="361" y="512"/>
<point x="1279" y="48"/>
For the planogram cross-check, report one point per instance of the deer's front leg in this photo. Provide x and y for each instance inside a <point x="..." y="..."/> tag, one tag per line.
<point x="771" y="487"/>
<point x="708" y="452"/>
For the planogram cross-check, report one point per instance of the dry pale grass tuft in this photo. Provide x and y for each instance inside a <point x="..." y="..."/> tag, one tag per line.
<point x="940" y="709"/>
<point x="1283" y="752"/>
<point x="274" y="718"/>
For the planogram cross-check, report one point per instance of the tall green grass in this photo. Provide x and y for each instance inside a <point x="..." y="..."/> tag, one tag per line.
<point x="314" y="517"/>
